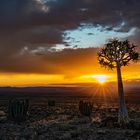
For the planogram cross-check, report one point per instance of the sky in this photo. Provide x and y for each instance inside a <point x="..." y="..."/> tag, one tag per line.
<point x="56" y="41"/>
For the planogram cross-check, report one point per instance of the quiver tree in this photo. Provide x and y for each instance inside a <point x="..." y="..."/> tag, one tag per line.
<point x="116" y="54"/>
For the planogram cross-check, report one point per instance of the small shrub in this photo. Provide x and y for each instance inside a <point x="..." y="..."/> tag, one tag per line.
<point x="85" y="108"/>
<point x="51" y="102"/>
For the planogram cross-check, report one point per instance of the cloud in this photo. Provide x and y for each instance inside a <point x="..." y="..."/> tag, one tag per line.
<point x="28" y="27"/>
<point x="68" y="61"/>
<point x="68" y="13"/>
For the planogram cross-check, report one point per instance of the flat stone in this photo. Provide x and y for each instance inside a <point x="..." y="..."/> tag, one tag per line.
<point x="2" y="113"/>
<point x="101" y="132"/>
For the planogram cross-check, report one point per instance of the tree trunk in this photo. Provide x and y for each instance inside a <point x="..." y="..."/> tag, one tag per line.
<point x="123" y="114"/>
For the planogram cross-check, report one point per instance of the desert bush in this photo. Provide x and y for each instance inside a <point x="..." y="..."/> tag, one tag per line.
<point x="17" y="110"/>
<point x="51" y="102"/>
<point x="85" y="108"/>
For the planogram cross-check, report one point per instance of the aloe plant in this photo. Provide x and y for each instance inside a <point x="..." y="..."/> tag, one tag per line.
<point x="18" y="109"/>
<point x="114" y="55"/>
<point x="85" y="108"/>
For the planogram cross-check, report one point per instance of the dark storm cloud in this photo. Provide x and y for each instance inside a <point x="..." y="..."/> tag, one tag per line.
<point x="35" y="23"/>
<point x="68" y="13"/>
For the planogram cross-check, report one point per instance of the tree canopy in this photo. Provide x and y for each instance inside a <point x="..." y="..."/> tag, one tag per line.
<point x="117" y="52"/>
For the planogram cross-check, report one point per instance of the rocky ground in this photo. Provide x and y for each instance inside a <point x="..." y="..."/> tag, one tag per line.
<point x="64" y="122"/>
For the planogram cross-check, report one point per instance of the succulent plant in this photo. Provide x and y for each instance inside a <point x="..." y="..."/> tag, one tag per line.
<point x="85" y="108"/>
<point x="18" y="109"/>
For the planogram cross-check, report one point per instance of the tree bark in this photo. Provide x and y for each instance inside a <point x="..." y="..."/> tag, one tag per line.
<point x="123" y="113"/>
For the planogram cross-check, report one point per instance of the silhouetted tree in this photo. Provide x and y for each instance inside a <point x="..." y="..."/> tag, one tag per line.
<point x="116" y="54"/>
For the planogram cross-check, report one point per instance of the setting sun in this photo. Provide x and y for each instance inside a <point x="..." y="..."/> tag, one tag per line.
<point x="100" y="78"/>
